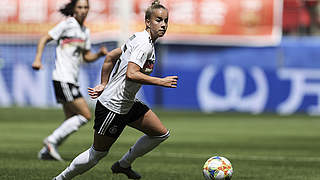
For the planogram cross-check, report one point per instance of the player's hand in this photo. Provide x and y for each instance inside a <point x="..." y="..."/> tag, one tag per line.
<point x="170" y="81"/>
<point x="96" y="91"/>
<point x="37" y="65"/>
<point x="103" y="51"/>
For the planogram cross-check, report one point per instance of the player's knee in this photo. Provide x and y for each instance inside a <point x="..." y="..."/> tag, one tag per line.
<point x="87" y="116"/>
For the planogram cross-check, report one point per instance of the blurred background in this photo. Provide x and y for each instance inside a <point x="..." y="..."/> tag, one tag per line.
<point x="245" y="56"/>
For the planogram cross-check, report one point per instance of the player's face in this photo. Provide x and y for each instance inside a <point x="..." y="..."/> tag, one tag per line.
<point x="81" y="10"/>
<point x="158" y="23"/>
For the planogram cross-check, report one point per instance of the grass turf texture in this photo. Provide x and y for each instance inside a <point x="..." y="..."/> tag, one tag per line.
<point x="260" y="147"/>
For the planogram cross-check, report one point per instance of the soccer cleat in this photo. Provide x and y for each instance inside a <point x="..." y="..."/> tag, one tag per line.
<point x="52" y="149"/>
<point x="116" y="168"/>
<point x="43" y="154"/>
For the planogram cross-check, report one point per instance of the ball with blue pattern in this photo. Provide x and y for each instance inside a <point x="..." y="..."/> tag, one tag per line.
<point x="217" y="168"/>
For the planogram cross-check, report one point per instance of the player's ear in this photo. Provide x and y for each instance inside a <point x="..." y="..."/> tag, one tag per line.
<point x="147" y="21"/>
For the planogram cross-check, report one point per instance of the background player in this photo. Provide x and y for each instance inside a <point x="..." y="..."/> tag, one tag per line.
<point x="73" y="47"/>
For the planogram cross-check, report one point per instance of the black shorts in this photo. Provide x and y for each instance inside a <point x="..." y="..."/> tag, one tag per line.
<point x="66" y="92"/>
<point x="108" y="123"/>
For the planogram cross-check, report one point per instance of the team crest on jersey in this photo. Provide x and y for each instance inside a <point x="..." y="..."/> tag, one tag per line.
<point x="148" y="66"/>
<point x="74" y="91"/>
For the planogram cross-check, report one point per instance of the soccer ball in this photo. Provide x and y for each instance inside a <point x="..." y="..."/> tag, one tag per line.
<point x="217" y="168"/>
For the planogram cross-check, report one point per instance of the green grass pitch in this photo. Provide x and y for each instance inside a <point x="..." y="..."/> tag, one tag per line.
<point x="260" y="147"/>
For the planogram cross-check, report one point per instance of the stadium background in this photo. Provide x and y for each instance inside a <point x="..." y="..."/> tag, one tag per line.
<point x="257" y="57"/>
<point x="208" y="62"/>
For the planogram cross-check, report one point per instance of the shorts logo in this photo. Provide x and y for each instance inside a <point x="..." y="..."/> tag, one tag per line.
<point x="113" y="129"/>
<point x="74" y="91"/>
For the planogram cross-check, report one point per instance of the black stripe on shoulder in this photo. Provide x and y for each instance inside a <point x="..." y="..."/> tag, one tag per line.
<point x="125" y="48"/>
<point x="132" y="37"/>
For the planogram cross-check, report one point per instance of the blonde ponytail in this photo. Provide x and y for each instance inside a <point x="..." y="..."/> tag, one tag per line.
<point x="155" y="2"/>
<point x="154" y="5"/>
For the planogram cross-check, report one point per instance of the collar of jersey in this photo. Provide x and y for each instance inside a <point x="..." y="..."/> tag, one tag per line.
<point x="76" y="22"/>
<point x="150" y="40"/>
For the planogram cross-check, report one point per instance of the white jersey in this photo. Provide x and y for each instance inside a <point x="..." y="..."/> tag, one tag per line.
<point x="119" y="94"/>
<point x="72" y="40"/>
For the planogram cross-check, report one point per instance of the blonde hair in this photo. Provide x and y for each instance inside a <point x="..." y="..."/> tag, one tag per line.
<point x="155" y="2"/>
<point x="154" y="5"/>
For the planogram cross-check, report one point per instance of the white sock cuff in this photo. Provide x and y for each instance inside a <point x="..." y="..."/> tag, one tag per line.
<point x="164" y="136"/>
<point x="97" y="154"/>
<point x="82" y="119"/>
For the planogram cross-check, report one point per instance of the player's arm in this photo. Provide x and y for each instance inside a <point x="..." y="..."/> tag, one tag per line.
<point x="134" y="74"/>
<point x="89" y="56"/>
<point x="107" y="67"/>
<point x="36" y="65"/>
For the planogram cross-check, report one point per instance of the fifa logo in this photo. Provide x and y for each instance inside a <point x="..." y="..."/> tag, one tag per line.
<point x="249" y="90"/>
<point x="235" y="96"/>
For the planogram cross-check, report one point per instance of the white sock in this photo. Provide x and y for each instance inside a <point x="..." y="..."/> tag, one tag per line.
<point x="144" y="145"/>
<point x="66" y="128"/>
<point x="82" y="163"/>
<point x="44" y="150"/>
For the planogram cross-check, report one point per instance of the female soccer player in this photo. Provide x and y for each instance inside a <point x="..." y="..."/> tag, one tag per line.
<point x="73" y="47"/>
<point x="117" y="107"/>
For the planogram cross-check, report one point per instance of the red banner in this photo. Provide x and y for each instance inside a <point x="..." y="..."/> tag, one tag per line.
<point x="29" y="19"/>
<point x="223" y="22"/>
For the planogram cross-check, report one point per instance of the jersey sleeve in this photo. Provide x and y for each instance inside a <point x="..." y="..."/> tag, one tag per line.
<point x="88" y="40"/>
<point x="57" y="31"/>
<point x="123" y="48"/>
<point x="139" y="54"/>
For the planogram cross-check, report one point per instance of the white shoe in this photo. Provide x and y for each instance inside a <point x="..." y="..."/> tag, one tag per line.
<point x="44" y="154"/>
<point x="53" y="150"/>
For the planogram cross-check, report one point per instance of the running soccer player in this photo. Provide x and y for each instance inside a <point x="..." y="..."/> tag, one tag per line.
<point x="73" y="48"/>
<point x="117" y="107"/>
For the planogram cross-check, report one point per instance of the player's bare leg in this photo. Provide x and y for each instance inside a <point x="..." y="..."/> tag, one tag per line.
<point x="78" y="106"/>
<point x="155" y="133"/>
<point x="77" y="114"/>
<point x="89" y="158"/>
<point x="150" y="124"/>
